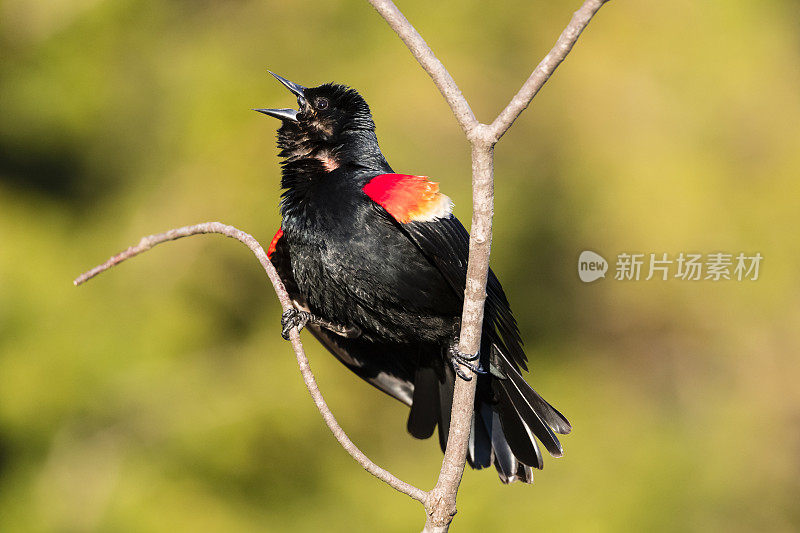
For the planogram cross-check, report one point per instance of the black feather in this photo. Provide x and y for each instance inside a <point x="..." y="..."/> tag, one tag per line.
<point x="445" y="391"/>
<point x="517" y="433"/>
<point x="504" y="460"/>
<point x="480" y="443"/>
<point x="509" y="392"/>
<point x="423" y="416"/>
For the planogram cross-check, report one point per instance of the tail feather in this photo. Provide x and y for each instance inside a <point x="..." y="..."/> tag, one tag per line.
<point x="508" y="420"/>
<point x="445" y="405"/>
<point x="424" y="413"/>
<point x="547" y="412"/>
<point x="504" y="459"/>
<point x="479" y="452"/>
<point x="519" y="435"/>
<point x="510" y="394"/>
<point x="508" y="467"/>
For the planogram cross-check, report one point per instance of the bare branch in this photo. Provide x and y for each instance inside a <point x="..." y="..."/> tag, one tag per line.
<point x="441" y="502"/>
<point x="543" y="71"/>
<point x="429" y="62"/>
<point x="441" y="506"/>
<point x="305" y="369"/>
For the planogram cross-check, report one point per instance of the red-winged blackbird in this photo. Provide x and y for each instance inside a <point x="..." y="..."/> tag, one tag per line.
<point x="375" y="263"/>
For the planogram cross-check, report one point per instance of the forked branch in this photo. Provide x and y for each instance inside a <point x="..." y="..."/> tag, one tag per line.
<point x="441" y="504"/>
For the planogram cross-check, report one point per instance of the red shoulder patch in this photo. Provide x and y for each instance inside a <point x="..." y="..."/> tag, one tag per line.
<point x="274" y="244"/>
<point x="409" y="198"/>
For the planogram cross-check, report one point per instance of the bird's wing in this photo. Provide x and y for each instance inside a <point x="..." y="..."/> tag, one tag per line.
<point x="389" y="368"/>
<point x="425" y="215"/>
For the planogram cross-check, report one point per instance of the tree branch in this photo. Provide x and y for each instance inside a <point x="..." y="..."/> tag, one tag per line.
<point x="441" y="502"/>
<point x="441" y="505"/>
<point x="283" y="297"/>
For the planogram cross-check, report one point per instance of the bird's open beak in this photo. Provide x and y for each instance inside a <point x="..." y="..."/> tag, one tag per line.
<point x="287" y="114"/>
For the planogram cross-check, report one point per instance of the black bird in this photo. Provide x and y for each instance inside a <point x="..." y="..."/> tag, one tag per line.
<point x="375" y="263"/>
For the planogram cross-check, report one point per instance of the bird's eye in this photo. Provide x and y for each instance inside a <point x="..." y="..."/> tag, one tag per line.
<point x="321" y="103"/>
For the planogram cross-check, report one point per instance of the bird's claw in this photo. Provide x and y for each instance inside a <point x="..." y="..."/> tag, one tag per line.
<point x="292" y="318"/>
<point x="460" y="359"/>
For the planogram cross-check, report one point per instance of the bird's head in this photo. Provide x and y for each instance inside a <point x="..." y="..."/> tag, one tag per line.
<point x="329" y="119"/>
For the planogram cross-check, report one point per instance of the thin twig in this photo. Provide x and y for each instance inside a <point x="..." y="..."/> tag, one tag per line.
<point x="283" y="297"/>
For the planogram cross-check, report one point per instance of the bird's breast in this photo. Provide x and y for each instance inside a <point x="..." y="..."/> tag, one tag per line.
<point x="357" y="268"/>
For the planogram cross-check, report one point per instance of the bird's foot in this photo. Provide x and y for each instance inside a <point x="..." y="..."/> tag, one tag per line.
<point x="459" y="359"/>
<point x="295" y="318"/>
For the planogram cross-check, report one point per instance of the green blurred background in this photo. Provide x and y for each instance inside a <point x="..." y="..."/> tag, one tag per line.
<point x="160" y="397"/>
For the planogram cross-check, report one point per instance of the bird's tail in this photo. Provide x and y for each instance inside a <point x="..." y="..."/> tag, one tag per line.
<point x="508" y="419"/>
